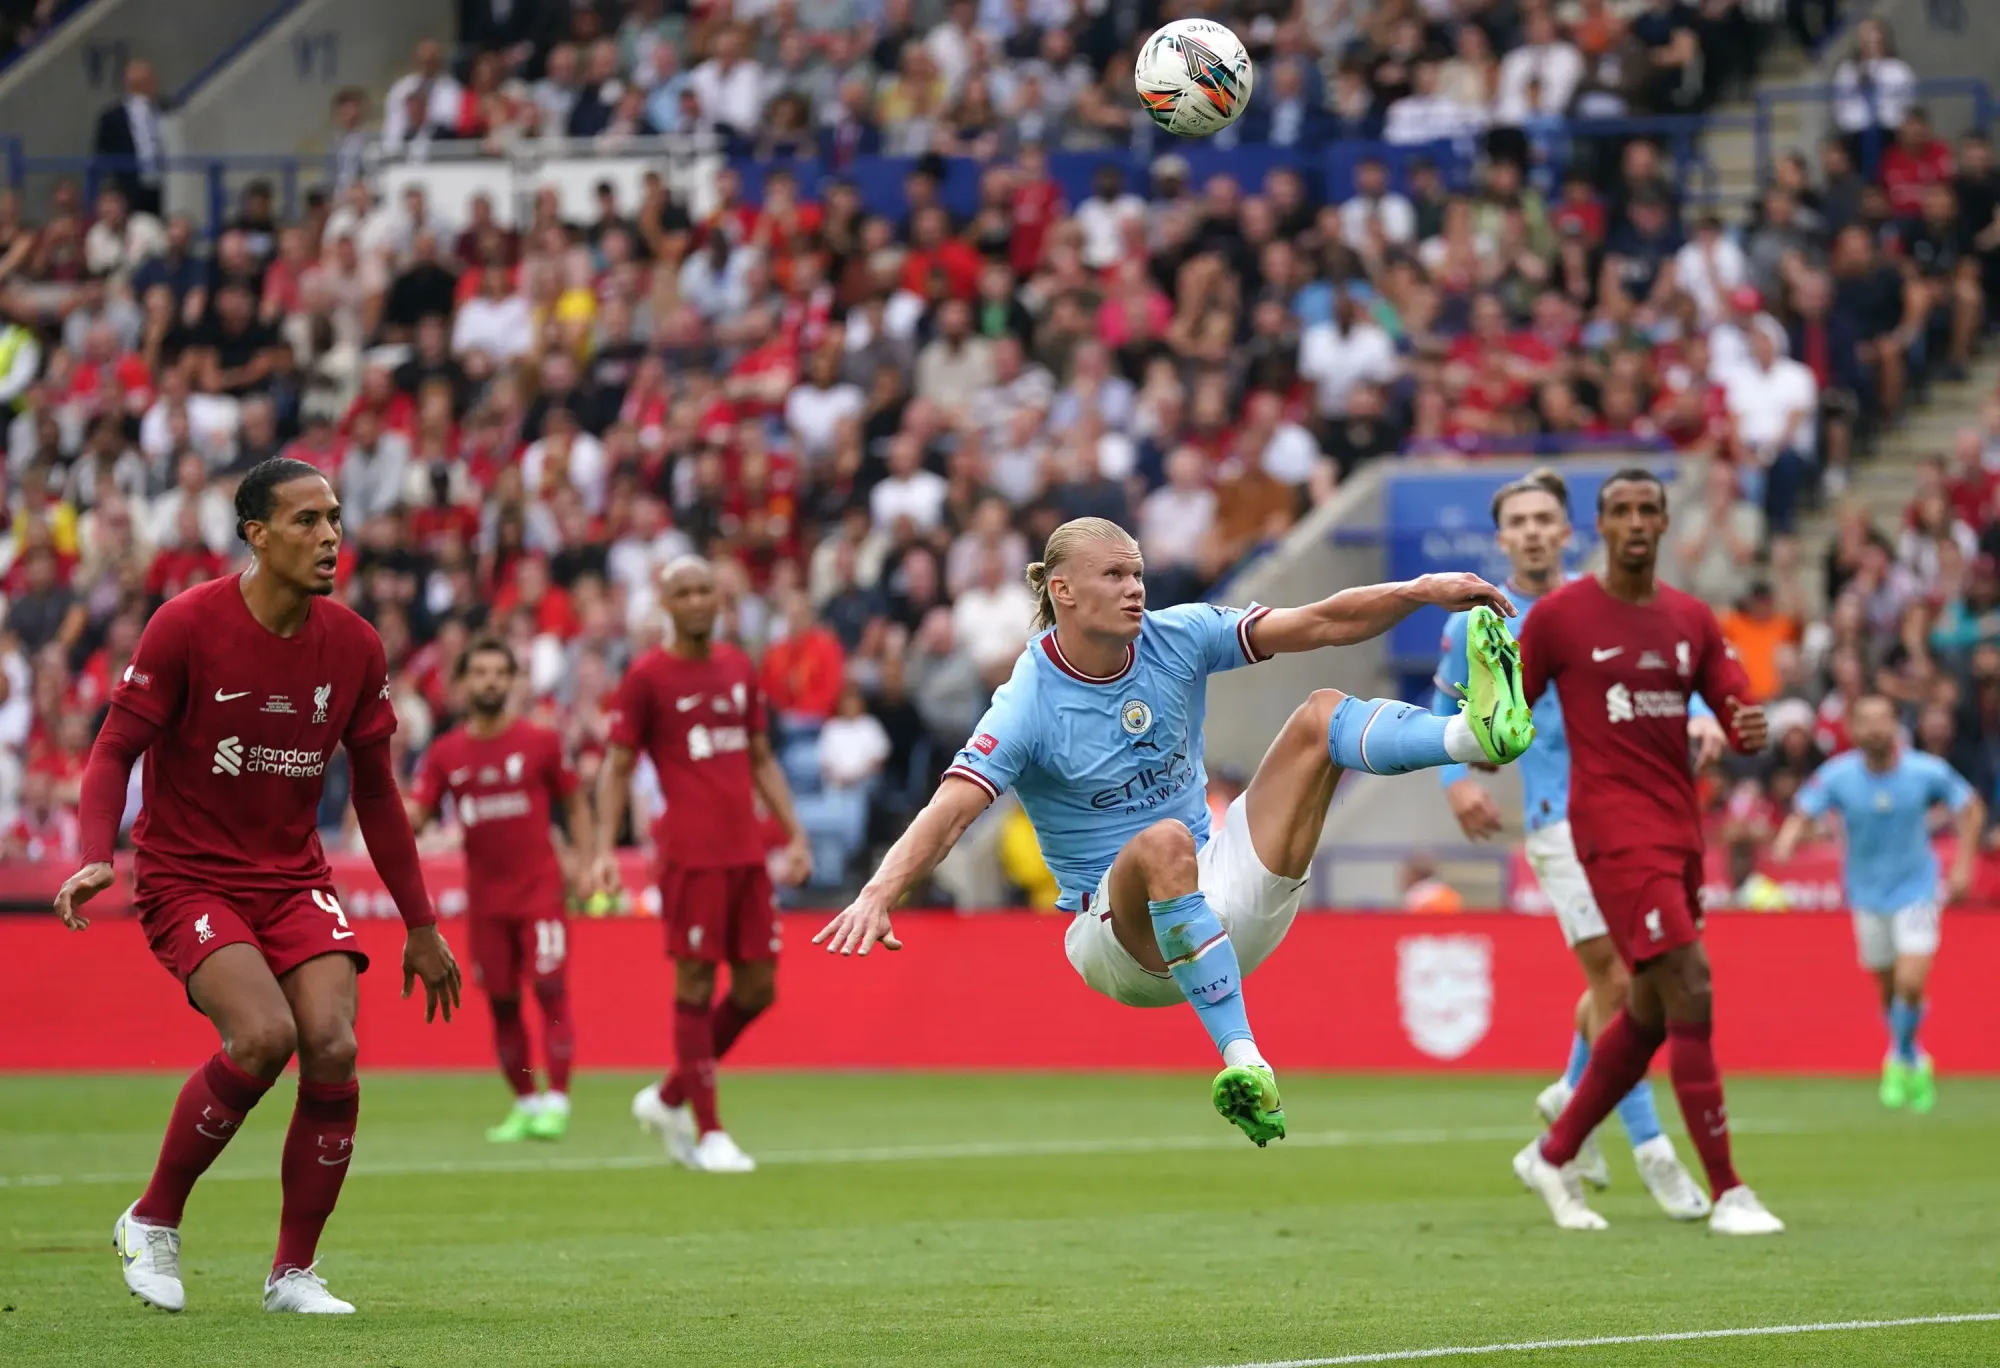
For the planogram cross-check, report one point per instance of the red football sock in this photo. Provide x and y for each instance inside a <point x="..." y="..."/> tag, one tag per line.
<point x="1698" y="1085"/>
<point x="212" y="1104"/>
<point x="558" y="1033"/>
<point x="317" y="1149"/>
<point x="1618" y="1060"/>
<point x="693" y="1078"/>
<point x="728" y="1020"/>
<point x="510" y="1045"/>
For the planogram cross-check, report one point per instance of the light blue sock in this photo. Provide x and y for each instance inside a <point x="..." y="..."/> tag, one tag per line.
<point x="1579" y="1055"/>
<point x="1904" y="1018"/>
<point x="1203" y="962"/>
<point x="1638" y="1115"/>
<point x="1383" y="736"/>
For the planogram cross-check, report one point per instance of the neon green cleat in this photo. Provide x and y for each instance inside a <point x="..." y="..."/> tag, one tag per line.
<point x="1923" y="1085"/>
<point x="1895" y="1083"/>
<point x="1247" y="1097"/>
<point x="550" y="1122"/>
<point x="1500" y="717"/>
<point x="519" y="1125"/>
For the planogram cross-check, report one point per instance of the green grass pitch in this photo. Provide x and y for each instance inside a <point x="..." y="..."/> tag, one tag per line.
<point x="1005" y="1219"/>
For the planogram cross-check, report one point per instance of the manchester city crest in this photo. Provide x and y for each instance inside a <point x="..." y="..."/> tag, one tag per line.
<point x="1136" y="717"/>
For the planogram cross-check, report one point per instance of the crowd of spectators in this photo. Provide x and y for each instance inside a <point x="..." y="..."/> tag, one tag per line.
<point x="871" y="421"/>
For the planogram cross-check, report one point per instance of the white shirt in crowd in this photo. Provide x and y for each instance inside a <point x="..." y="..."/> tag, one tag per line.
<point x="212" y="423"/>
<point x="501" y="329"/>
<point x="1765" y="402"/>
<point x="215" y="515"/>
<point x="1872" y="94"/>
<point x="587" y="469"/>
<point x="1291" y="454"/>
<point x="1708" y="280"/>
<point x="732" y="96"/>
<point x="1557" y="66"/>
<point x="992" y="625"/>
<point x="110" y="251"/>
<point x="918" y="496"/>
<point x="1431" y="118"/>
<point x="1102" y="223"/>
<point x="1172" y="523"/>
<point x="1729" y="346"/>
<point x="851" y="749"/>
<point x="446" y="99"/>
<point x="1336" y="362"/>
<point x="1398" y="219"/>
<point x="812" y="416"/>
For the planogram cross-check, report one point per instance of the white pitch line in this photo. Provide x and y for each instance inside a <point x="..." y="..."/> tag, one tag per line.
<point x="886" y="1154"/>
<point x="1669" y="1337"/>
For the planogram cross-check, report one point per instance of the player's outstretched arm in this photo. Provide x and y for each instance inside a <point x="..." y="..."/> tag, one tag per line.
<point x="122" y="739"/>
<point x="768" y="776"/>
<point x="1363" y="613"/>
<point x="916" y="852"/>
<point x="392" y="848"/>
<point x="1797" y="827"/>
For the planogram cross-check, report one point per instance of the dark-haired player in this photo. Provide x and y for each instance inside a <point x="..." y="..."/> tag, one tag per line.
<point x="1624" y="652"/>
<point x="237" y="695"/>
<point x="1531" y="525"/>
<point x="507" y="777"/>
<point x="694" y="707"/>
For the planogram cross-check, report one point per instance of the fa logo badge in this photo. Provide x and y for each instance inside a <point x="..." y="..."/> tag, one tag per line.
<point x="1135" y="717"/>
<point x="1682" y="660"/>
<point x="203" y="933"/>
<point x="321" y="697"/>
<point x="515" y="763"/>
<point x="1444" y="985"/>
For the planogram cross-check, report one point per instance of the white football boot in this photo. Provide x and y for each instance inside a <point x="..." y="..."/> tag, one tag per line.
<point x="1590" y="1162"/>
<point x="717" y="1153"/>
<point x="1561" y="1188"/>
<point x="674" y="1125"/>
<point x="303" y="1292"/>
<point x="1738" y="1212"/>
<point x="152" y="1258"/>
<point x="1667" y="1178"/>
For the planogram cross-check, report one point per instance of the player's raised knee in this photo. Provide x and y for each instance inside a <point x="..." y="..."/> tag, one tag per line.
<point x="1312" y="718"/>
<point x="263" y="1045"/>
<point x="754" y="998"/>
<point x="1166" y="853"/>
<point x="328" y="1050"/>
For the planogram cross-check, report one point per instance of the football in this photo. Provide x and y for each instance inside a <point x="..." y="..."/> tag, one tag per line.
<point x="1194" y="77"/>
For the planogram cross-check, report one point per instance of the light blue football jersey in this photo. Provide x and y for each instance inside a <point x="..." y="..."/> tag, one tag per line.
<point x="1890" y="863"/>
<point x="1544" y="770"/>
<point x="1096" y="761"/>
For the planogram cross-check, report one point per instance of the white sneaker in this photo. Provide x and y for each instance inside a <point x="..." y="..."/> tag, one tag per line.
<point x="1738" y="1212"/>
<point x="674" y="1125"/>
<point x="303" y="1291"/>
<point x="152" y="1258"/>
<point x="717" y="1153"/>
<point x="1561" y="1188"/>
<point x="1667" y="1178"/>
<point x="1590" y="1162"/>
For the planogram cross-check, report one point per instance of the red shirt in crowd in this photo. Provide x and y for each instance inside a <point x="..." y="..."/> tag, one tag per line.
<point x="1906" y="173"/>
<point x="802" y="675"/>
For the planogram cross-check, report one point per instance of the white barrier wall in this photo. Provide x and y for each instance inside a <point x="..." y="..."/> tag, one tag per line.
<point x="573" y="172"/>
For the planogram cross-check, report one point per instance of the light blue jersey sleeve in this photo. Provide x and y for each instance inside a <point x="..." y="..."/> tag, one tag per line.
<point x="1208" y="638"/>
<point x="1449" y="684"/>
<point x="1816" y="796"/>
<point x="1947" y="785"/>
<point x="1007" y="740"/>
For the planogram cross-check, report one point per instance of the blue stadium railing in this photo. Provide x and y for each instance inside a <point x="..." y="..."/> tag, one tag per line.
<point x="1331" y="168"/>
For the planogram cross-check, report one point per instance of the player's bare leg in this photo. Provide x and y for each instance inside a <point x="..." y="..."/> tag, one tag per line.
<point x="324" y="994"/>
<point x="234" y="988"/>
<point x="1290" y="793"/>
<point x="1162" y="920"/>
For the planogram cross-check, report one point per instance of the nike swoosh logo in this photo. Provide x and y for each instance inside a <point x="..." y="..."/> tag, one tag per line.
<point x="342" y="935"/>
<point x="684" y="704"/>
<point x="1606" y="655"/>
<point x="335" y="1163"/>
<point x="222" y="697"/>
<point x="211" y="1134"/>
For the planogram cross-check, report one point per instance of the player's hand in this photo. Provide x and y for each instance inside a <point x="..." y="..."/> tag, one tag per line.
<point x="860" y="924"/>
<point x="1752" y="728"/>
<point x="1709" y="741"/>
<point x="1478" y="815"/>
<point x="795" y="861"/>
<point x="78" y="889"/>
<point x="1457" y="591"/>
<point x="427" y="957"/>
<point x="605" y="876"/>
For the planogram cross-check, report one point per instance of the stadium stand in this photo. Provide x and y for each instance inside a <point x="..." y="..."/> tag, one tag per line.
<point x="939" y="291"/>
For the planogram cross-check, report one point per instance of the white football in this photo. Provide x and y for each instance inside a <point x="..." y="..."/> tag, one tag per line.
<point x="1194" y="77"/>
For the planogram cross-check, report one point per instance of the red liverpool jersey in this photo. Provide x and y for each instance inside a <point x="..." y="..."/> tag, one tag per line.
<point x="506" y="789"/>
<point x="696" y="718"/>
<point x="1624" y="672"/>
<point x="248" y="721"/>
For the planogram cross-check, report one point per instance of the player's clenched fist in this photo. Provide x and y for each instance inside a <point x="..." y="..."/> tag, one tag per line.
<point x="859" y="926"/>
<point x="1752" y="727"/>
<point x="78" y="889"/>
<point x="1459" y="591"/>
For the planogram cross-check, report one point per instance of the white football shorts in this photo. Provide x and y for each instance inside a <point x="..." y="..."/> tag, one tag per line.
<point x="1551" y="853"/>
<point x="1255" y="907"/>
<point x="1885" y="937"/>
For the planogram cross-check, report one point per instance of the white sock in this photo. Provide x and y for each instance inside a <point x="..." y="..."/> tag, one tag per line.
<point x="1460" y="744"/>
<point x="1242" y="1052"/>
<point x="555" y="1102"/>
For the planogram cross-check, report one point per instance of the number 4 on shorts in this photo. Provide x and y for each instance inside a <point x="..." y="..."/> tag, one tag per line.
<point x="330" y="904"/>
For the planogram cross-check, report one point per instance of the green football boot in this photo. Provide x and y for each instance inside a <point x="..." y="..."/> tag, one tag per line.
<point x="1895" y="1090"/>
<point x="1247" y="1097"/>
<point x="1923" y="1085"/>
<point x="550" y="1122"/>
<point x="518" y="1126"/>
<point x="1494" y="706"/>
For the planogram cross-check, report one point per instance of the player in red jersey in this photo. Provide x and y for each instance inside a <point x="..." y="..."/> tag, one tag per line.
<point x="506" y="777"/>
<point x="694" y="707"/>
<point x="237" y="695"/>
<point x="1623" y="653"/>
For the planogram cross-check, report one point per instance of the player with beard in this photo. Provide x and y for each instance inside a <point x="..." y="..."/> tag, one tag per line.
<point x="1623" y="653"/>
<point x="237" y="695"/>
<point x="694" y="708"/>
<point x="507" y="777"/>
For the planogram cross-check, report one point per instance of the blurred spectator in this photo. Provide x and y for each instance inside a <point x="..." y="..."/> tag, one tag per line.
<point x="129" y="137"/>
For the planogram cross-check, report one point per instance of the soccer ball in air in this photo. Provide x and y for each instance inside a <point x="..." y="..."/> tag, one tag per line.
<point x="1194" y="77"/>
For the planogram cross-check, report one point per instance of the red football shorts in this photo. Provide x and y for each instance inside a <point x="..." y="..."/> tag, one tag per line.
<point x="507" y="949"/>
<point x="185" y="926"/>
<point x="719" y="915"/>
<point x="1650" y="898"/>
